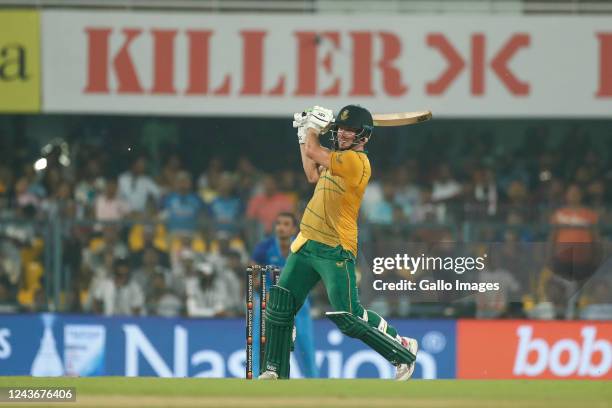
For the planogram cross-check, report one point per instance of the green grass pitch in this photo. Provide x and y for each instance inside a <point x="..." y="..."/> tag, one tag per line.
<point x="192" y="392"/>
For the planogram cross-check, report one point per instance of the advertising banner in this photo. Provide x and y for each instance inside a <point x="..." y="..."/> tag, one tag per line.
<point x="19" y="61"/>
<point x="529" y="349"/>
<point x="273" y="65"/>
<point x="54" y="345"/>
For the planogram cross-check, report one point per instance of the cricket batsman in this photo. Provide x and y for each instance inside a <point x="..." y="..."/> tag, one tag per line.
<point x="274" y="251"/>
<point x="326" y="247"/>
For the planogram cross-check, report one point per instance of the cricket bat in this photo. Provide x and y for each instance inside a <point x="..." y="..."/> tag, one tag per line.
<point x="400" y="118"/>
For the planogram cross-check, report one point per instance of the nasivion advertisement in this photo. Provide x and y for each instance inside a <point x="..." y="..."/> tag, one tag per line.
<point x="273" y="65"/>
<point x="72" y="345"/>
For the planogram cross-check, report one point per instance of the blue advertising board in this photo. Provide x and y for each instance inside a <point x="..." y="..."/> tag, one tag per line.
<point x="85" y="345"/>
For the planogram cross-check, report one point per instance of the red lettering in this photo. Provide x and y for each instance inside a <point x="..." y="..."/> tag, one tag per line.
<point x="362" y="64"/>
<point x="307" y="62"/>
<point x="454" y="67"/>
<point x="225" y="87"/>
<point x="252" y="51"/>
<point x="392" y="77"/>
<point x="124" y="67"/>
<point x="97" y="61"/>
<point x="334" y="89"/>
<point x="163" y="64"/>
<point x="499" y="64"/>
<point x="198" y="61"/>
<point x="605" y="65"/>
<point x="478" y="64"/>
<point x="253" y="63"/>
<point x="122" y="63"/>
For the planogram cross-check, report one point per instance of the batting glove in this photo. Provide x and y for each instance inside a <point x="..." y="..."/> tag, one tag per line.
<point x="298" y="122"/>
<point x="319" y="119"/>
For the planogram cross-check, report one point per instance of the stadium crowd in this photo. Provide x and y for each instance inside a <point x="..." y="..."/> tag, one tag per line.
<point x="175" y="241"/>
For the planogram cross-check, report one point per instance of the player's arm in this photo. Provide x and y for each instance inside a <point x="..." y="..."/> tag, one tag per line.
<point x="311" y="168"/>
<point x="314" y="151"/>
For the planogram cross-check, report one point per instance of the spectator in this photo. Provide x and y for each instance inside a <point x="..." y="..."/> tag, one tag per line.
<point x="583" y="176"/>
<point x="161" y="299"/>
<point x="446" y="190"/>
<point x="135" y="187"/>
<point x="425" y="211"/>
<point x="150" y="267"/>
<point x="209" y="297"/>
<point x="597" y="301"/>
<point x="518" y="196"/>
<point x="207" y="183"/>
<point x="553" y="294"/>
<point x="11" y="242"/>
<point x="86" y="190"/>
<point x="182" y="208"/>
<point x="225" y="243"/>
<point x="408" y="193"/>
<point x="575" y="238"/>
<point x="482" y="198"/>
<point x="118" y="295"/>
<point x="265" y="206"/>
<point x="24" y="195"/>
<point x="494" y="304"/>
<point x="108" y="206"/>
<point x="143" y="237"/>
<point x="80" y="300"/>
<point x="596" y="199"/>
<point x="109" y="242"/>
<point x="515" y="224"/>
<point x="6" y="184"/>
<point x="549" y="196"/>
<point x="247" y="177"/>
<point x="288" y="184"/>
<point x="8" y="303"/>
<point x="169" y="173"/>
<point x="60" y="203"/>
<point x="226" y="209"/>
<point x="381" y="212"/>
<point x="184" y="274"/>
<point x="51" y="179"/>
<point x="231" y="273"/>
<point x="372" y="195"/>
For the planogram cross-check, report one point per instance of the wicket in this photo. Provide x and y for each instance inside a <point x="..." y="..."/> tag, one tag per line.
<point x="251" y="272"/>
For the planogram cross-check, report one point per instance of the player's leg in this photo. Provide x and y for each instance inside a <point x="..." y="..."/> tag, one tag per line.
<point x="337" y="269"/>
<point x="296" y="280"/>
<point x="305" y="349"/>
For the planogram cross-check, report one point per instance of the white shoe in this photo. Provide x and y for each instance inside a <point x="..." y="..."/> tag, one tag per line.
<point x="403" y="372"/>
<point x="268" y="375"/>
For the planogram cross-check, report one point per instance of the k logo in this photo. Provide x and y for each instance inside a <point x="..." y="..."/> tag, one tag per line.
<point x="344" y="115"/>
<point x="340" y="264"/>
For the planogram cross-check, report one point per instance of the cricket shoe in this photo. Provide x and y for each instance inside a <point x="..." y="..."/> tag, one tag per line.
<point x="403" y="372"/>
<point x="268" y="375"/>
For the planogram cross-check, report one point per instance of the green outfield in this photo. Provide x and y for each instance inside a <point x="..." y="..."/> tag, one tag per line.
<point x="189" y="392"/>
